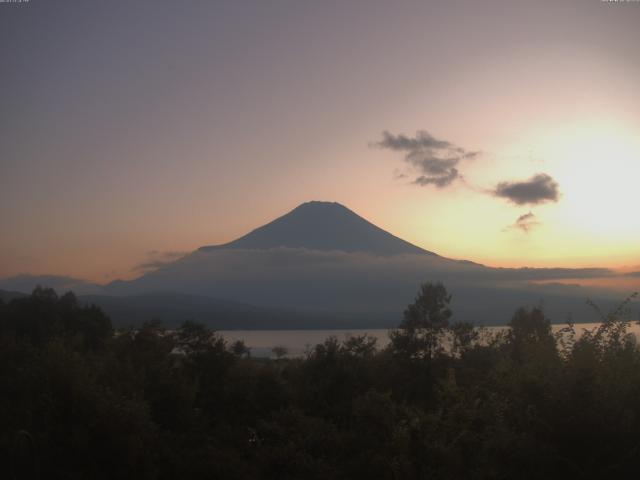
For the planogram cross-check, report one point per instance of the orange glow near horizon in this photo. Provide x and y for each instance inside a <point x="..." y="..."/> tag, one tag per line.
<point x="211" y="125"/>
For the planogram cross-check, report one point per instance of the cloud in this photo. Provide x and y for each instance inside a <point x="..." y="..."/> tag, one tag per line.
<point x="359" y="283"/>
<point x="150" y="265"/>
<point x="538" y="189"/>
<point x="157" y="259"/>
<point x="203" y="272"/>
<point x="525" y="222"/>
<point x="439" y="181"/>
<point x="422" y="140"/>
<point x="433" y="161"/>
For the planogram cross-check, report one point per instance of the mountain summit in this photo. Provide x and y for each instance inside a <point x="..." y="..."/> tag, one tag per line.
<point x="322" y="226"/>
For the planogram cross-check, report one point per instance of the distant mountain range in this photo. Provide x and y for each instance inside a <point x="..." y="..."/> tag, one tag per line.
<point x="7" y="296"/>
<point x="323" y="266"/>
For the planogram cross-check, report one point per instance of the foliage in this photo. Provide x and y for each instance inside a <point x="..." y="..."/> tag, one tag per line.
<point x="441" y="401"/>
<point x="424" y="322"/>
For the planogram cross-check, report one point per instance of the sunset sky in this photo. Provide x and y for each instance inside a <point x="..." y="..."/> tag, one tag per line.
<point x="503" y="132"/>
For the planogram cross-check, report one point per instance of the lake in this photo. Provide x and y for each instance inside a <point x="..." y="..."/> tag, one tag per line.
<point x="297" y="342"/>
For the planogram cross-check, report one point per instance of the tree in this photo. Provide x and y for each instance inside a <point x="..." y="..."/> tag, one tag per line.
<point x="424" y="321"/>
<point x="430" y="310"/>
<point x="361" y="346"/>
<point x="195" y="338"/>
<point x="530" y="332"/>
<point x="240" y="349"/>
<point x="280" y="351"/>
<point x="464" y="334"/>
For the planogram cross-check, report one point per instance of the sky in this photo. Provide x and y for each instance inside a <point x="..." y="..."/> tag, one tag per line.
<point x="496" y="131"/>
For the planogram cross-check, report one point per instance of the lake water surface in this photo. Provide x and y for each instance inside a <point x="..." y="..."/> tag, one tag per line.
<point x="297" y="342"/>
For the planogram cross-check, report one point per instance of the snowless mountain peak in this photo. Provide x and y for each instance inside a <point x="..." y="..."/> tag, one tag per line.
<point x="320" y="225"/>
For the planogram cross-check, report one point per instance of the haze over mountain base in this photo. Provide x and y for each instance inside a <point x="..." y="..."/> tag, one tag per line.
<point x="323" y="266"/>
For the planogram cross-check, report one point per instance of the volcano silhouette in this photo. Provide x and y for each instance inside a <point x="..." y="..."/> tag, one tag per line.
<point x="323" y="266"/>
<point x="323" y="226"/>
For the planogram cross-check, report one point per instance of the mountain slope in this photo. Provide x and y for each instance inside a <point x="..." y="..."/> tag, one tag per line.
<point x="323" y="226"/>
<point x="174" y="308"/>
<point x="321" y="260"/>
<point x="7" y="296"/>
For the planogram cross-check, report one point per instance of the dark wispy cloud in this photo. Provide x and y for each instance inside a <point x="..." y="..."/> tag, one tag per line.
<point x="538" y="189"/>
<point x="525" y="222"/>
<point x="432" y="161"/>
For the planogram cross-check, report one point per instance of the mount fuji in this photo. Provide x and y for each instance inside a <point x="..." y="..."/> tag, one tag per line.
<point x="326" y="226"/>
<point x="323" y="266"/>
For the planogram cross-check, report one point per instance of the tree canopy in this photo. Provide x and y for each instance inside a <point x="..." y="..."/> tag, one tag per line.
<point x="443" y="400"/>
